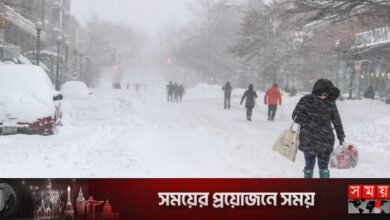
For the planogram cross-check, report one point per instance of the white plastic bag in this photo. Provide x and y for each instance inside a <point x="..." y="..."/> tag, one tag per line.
<point x="344" y="156"/>
<point x="354" y="153"/>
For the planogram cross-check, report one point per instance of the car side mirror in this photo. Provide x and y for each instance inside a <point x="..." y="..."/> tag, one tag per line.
<point x="58" y="97"/>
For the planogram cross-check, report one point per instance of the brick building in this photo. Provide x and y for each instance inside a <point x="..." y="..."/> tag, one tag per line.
<point x="340" y="44"/>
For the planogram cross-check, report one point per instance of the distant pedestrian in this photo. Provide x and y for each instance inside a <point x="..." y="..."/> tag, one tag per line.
<point x="272" y="97"/>
<point x="181" y="92"/>
<point x="128" y="85"/>
<point x="369" y="93"/>
<point x="293" y="91"/>
<point x="315" y="113"/>
<point x="227" y="94"/>
<point x="137" y="87"/>
<point x="175" y="92"/>
<point x="170" y="91"/>
<point x="250" y="96"/>
<point x="116" y="85"/>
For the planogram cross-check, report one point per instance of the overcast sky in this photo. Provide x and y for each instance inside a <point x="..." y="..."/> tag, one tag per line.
<point x="150" y="15"/>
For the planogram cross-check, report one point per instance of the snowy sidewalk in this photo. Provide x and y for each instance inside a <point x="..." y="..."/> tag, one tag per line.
<point x="117" y="133"/>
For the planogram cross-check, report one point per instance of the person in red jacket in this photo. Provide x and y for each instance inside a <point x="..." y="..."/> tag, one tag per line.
<point x="272" y="97"/>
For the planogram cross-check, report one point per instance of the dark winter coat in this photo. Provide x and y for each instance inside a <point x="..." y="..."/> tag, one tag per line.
<point x="170" y="88"/>
<point x="369" y="93"/>
<point x="181" y="90"/>
<point x="228" y="90"/>
<point x="250" y="96"/>
<point x="316" y="117"/>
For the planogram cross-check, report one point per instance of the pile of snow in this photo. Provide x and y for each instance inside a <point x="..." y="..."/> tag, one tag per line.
<point x="75" y="90"/>
<point x="26" y="93"/>
<point x="24" y="60"/>
<point x="202" y="89"/>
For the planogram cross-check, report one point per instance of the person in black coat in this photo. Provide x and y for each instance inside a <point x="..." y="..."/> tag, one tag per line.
<point x="181" y="92"/>
<point x="250" y="96"/>
<point x="175" y="92"/>
<point x="227" y="94"/>
<point x="369" y="93"/>
<point x="170" y="89"/>
<point x="316" y="113"/>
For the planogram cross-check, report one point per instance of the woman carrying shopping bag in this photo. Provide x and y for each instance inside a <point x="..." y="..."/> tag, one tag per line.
<point x="316" y="113"/>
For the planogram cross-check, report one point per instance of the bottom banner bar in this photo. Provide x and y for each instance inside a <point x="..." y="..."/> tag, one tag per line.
<point x="194" y="198"/>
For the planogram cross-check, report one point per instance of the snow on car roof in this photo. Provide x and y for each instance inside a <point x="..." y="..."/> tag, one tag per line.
<point x="26" y="93"/>
<point x="24" y="78"/>
<point x="75" y="90"/>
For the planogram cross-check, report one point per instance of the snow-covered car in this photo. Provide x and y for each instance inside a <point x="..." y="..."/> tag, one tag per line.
<point x="75" y="90"/>
<point x="28" y="101"/>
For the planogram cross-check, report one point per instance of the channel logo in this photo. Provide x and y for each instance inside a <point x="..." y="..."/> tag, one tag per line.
<point x="368" y="199"/>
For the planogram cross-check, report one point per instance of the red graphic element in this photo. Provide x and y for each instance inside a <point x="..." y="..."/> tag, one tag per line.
<point x="91" y="203"/>
<point x="354" y="192"/>
<point x="116" y="68"/>
<point x="378" y="206"/>
<point x="107" y="212"/>
<point x="183" y="70"/>
<point x="369" y="192"/>
<point x="382" y="192"/>
<point x="169" y="61"/>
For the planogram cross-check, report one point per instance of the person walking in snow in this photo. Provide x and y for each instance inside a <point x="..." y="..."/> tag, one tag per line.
<point x="170" y="89"/>
<point x="250" y="96"/>
<point x="181" y="92"/>
<point x="272" y="97"/>
<point x="227" y="94"/>
<point x="369" y="93"/>
<point x="175" y="93"/>
<point x="315" y="113"/>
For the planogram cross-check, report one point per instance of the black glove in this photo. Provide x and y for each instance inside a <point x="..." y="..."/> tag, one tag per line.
<point x="341" y="141"/>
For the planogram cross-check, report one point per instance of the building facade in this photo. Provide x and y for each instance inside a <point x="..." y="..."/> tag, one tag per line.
<point x="18" y="29"/>
<point x="353" y="52"/>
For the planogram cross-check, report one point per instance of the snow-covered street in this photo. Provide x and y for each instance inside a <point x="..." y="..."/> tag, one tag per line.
<point x="119" y="133"/>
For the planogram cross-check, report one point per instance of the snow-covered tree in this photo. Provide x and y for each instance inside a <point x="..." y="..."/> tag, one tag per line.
<point x="269" y="44"/>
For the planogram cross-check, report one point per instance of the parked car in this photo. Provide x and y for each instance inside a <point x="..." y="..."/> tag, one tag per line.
<point x="28" y="101"/>
<point x="75" y="90"/>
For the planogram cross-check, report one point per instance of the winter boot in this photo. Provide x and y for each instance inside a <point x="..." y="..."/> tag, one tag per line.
<point x="324" y="173"/>
<point x="308" y="173"/>
<point x="249" y="118"/>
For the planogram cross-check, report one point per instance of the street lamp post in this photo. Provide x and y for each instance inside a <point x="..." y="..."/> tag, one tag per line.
<point x="75" y="63"/>
<point x="88" y="71"/>
<point x="59" y="39"/>
<point x="337" y="44"/>
<point x="66" y="53"/>
<point x="38" y="27"/>
<point x="81" y="64"/>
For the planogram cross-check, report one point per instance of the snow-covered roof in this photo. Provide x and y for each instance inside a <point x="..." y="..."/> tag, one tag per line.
<point x="23" y="23"/>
